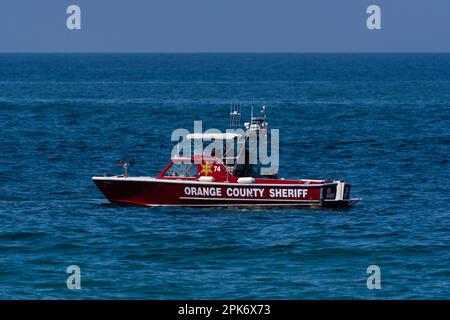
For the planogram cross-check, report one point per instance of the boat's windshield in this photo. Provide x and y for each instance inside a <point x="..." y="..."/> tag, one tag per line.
<point x="182" y="170"/>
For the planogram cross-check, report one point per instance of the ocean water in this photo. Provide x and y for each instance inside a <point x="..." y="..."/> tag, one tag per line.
<point x="380" y="122"/>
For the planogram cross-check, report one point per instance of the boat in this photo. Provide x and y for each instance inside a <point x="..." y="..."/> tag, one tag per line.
<point x="217" y="180"/>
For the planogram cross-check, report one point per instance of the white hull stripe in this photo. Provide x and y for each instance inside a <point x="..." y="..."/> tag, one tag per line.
<point x="148" y="179"/>
<point x="237" y="204"/>
<point x="246" y="199"/>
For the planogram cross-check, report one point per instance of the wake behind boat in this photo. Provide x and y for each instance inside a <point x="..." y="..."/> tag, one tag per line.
<point x="218" y="180"/>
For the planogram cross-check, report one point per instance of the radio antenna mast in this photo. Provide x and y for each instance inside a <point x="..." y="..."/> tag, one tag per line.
<point x="235" y="115"/>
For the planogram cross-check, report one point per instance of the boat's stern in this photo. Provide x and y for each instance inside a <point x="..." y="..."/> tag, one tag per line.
<point x="337" y="195"/>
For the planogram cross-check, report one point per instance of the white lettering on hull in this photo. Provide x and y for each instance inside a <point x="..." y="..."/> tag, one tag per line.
<point x="203" y="191"/>
<point x="245" y="192"/>
<point x="288" y="193"/>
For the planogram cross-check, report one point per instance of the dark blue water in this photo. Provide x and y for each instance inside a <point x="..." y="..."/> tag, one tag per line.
<point x="380" y="122"/>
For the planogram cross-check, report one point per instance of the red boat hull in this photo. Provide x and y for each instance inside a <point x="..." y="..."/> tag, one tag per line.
<point x="173" y="192"/>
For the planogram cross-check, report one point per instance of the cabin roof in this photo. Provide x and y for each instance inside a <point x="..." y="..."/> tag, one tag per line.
<point x="196" y="157"/>
<point x="209" y="136"/>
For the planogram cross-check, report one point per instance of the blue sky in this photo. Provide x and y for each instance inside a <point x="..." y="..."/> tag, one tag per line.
<point x="224" y="26"/>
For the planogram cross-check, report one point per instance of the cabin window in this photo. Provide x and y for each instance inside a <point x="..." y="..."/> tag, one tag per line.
<point x="182" y="170"/>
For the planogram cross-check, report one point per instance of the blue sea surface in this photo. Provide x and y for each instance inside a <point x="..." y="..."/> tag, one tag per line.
<point x="381" y="122"/>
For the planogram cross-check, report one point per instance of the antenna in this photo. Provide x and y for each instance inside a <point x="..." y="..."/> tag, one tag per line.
<point x="235" y="115"/>
<point x="263" y="112"/>
<point x="239" y="119"/>
<point x="231" y="112"/>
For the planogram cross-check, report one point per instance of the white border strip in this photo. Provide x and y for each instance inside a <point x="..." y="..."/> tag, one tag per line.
<point x="246" y="199"/>
<point x="225" y="205"/>
<point x="212" y="184"/>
